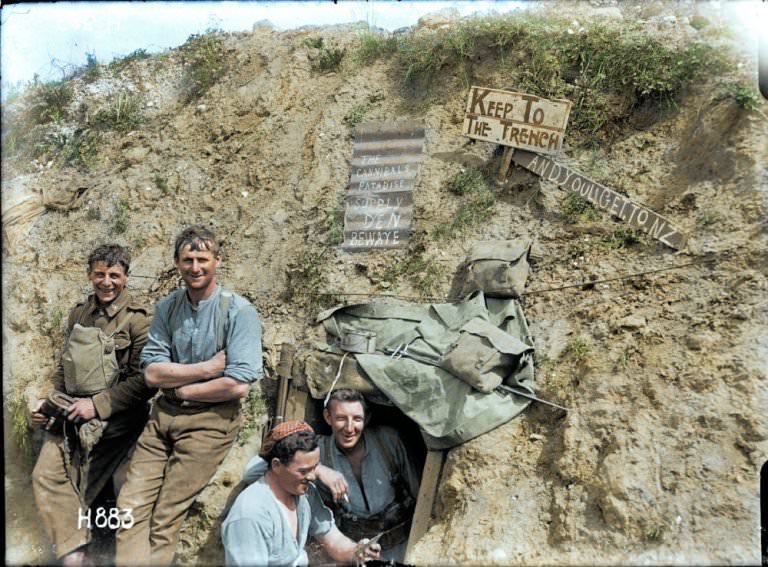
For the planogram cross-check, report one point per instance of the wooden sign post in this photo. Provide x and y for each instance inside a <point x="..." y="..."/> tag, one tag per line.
<point x="516" y="120"/>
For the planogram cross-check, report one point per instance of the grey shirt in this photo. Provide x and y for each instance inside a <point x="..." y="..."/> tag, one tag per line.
<point x="185" y="333"/>
<point x="256" y="531"/>
<point x="379" y="490"/>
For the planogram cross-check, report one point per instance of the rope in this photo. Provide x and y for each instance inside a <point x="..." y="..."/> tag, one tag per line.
<point x="333" y="384"/>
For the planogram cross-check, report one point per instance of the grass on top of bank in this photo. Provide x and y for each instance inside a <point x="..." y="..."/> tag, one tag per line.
<point x="606" y="70"/>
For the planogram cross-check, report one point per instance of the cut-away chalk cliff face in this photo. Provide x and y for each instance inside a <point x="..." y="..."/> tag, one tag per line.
<point x="657" y="460"/>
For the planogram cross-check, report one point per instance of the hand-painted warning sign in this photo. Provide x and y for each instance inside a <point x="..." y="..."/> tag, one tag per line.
<point x="378" y="209"/>
<point x="516" y="119"/>
<point x="603" y="197"/>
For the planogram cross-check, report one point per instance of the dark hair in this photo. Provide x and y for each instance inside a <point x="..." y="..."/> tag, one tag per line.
<point x="110" y="254"/>
<point x="197" y="237"/>
<point x="285" y="449"/>
<point x="347" y="395"/>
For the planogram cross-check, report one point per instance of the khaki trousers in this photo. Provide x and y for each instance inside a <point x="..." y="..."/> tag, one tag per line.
<point x="58" y="501"/>
<point x="175" y="457"/>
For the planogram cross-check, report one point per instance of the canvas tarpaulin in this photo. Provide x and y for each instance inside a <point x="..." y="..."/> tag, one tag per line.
<point x="444" y="365"/>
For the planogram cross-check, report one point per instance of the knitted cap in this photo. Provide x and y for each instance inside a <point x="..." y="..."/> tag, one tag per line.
<point x="280" y="432"/>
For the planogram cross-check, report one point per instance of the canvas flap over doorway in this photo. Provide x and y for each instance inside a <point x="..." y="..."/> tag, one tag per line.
<point x="442" y="364"/>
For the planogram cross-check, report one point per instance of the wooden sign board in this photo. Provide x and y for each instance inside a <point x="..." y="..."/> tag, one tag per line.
<point x="378" y="208"/>
<point x="603" y="198"/>
<point x="517" y="120"/>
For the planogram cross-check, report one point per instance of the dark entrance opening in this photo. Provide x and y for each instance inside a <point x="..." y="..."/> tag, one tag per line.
<point x="380" y="414"/>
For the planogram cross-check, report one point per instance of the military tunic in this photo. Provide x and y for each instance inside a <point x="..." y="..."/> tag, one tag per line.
<point x="64" y="486"/>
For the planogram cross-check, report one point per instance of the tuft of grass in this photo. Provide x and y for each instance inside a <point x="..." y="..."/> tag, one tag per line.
<point x="358" y="112"/>
<point x="708" y="219"/>
<point x="314" y="42"/>
<point x="206" y="63"/>
<point x="20" y="426"/>
<point x="162" y="183"/>
<point x="254" y="407"/>
<point x="49" y="102"/>
<point x="325" y="59"/>
<point x="477" y="205"/>
<point x="94" y="213"/>
<point x="424" y="273"/>
<point x="467" y="182"/>
<point x="80" y="150"/>
<point x="123" y="113"/>
<point x="745" y="96"/>
<point x="92" y="69"/>
<point x="334" y="225"/>
<point x="329" y="59"/>
<point x="120" y="220"/>
<point x="623" y="237"/>
<point x="375" y="45"/>
<point x="698" y="22"/>
<point x="120" y="64"/>
<point x="578" y="349"/>
<point x="56" y="319"/>
<point x="654" y="530"/>
<point x="576" y="208"/>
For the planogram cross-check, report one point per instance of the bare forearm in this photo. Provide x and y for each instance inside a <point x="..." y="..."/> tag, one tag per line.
<point x="339" y="546"/>
<point x="175" y="374"/>
<point x="217" y="390"/>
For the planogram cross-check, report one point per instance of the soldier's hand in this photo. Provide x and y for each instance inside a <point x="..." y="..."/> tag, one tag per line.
<point x="82" y="410"/>
<point x="39" y="419"/>
<point x="337" y="484"/>
<point x="334" y="481"/>
<point x="367" y="551"/>
<point x="218" y="363"/>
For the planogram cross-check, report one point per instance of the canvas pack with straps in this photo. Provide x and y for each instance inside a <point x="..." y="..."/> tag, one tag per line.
<point x="90" y="359"/>
<point x="498" y="267"/>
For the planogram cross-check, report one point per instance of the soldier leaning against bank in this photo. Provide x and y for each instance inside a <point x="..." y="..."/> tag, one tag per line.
<point x="89" y="436"/>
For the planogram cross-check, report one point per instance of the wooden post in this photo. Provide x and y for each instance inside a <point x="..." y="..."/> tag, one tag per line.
<point x="506" y="160"/>
<point x="422" y="515"/>
<point x="287" y="351"/>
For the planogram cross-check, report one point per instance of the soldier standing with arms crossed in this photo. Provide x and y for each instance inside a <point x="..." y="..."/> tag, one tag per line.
<point x="204" y="351"/>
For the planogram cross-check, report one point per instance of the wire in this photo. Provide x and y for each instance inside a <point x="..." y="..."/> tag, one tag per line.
<point x="711" y="259"/>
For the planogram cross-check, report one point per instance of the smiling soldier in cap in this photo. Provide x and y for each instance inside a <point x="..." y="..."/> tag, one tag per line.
<point x="271" y="520"/>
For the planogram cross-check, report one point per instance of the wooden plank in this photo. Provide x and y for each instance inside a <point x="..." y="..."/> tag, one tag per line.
<point x="296" y="408"/>
<point x="603" y="198"/>
<point x="422" y="515"/>
<point x="516" y="119"/>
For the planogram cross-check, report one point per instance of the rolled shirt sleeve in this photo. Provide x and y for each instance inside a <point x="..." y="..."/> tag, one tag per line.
<point x="158" y="347"/>
<point x="244" y="343"/>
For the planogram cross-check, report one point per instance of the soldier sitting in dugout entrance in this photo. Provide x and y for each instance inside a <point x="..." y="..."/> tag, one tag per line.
<point x="272" y="519"/>
<point x="366" y="476"/>
<point x="89" y="436"/>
